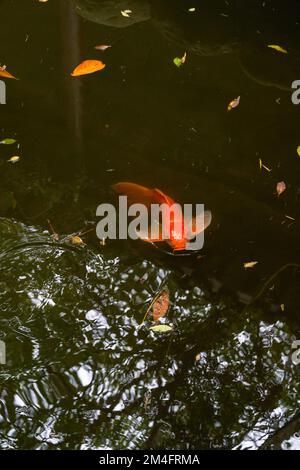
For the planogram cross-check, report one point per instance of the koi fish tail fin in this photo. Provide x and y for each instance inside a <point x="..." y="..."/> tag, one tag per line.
<point x="198" y="224"/>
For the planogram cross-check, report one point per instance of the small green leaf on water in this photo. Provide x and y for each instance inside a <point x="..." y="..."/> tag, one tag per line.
<point x="161" y="328"/>
<point x="8" y="141"/>
<point x="179" y="61"/>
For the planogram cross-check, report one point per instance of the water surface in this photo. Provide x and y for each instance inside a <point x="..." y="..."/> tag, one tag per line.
<point x="80" y="373"/>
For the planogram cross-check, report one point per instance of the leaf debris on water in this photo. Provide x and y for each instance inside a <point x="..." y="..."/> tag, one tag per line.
<point x="14" y="159"/>
<point x="281" y="187"/>
<point x="88" y="66"/>
<point x="5" y="74"/>
<point x="126" y="13"/>
<point x="161" y="305"/>
<point x="76" y="240"/>
<point x="250" y="264"/>
<point x="8" y="141"/>
<point x="234" y="103"/>
<point x="161" y="328"/>
<point x="179" y="61"/>
<point x="278" y="48"/>
<point x="298" y="150"/>
<point x="261" y="166"/>
<point x="102" y="47"/>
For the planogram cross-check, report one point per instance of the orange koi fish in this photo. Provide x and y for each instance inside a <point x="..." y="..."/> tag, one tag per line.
<point x="180" y="230"/>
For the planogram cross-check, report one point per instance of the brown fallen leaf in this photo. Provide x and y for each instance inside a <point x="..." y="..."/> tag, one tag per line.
<point x="281" y="187"/>
<point x="102" y="47"/>
<point x="250" y="264"/>
<point x="5" y="74"/>
<point x="88" y="66"/>
<point x="161" y="305"/>
<point x="234" y="103"/>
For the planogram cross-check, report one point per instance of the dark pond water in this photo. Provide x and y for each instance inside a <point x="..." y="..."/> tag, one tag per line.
<point x="79" y="372"/>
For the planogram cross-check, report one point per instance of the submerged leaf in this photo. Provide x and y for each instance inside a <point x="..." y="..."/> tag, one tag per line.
<point x="8" y="141"/>
<point x="88" y="66"/>
<point x="161" y="328"/>
<point x="281" y="187"/>
<point x="161" y="305"/>
<point x="277" y="48"/>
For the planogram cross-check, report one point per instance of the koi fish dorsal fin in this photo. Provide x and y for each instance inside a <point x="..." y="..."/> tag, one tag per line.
<point x="138" y="194"/>
<point x="135" y="193"/>
<point x="162" y="198"/>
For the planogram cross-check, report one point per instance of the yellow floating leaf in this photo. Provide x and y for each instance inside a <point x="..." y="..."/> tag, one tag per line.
<point x="298" y="150"/>
<point x="14" y="159"/>
<point x="88" y="66"/>
<point x="126" y="13"/>
<point x="5" y="74"/>
<point x="282" y="306"/>
<point x="278" y="48"/>
<point x="250" y="264"/>
<point x="234" y="103"/>
<point x="76" y="240"/>
<point x="161" y="328"/>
